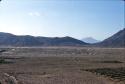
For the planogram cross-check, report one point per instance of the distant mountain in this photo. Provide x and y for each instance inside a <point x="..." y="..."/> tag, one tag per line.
<point x="90" y="40"/>
<point x="7" y="39"/>
<point x="117" y="40"/>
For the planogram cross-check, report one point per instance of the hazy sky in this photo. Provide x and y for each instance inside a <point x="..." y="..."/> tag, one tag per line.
<point x="76" y="18"/>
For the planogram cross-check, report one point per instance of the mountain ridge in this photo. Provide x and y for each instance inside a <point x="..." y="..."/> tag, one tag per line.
<point x="116" y="40"/>
<point x="8" y="39"/>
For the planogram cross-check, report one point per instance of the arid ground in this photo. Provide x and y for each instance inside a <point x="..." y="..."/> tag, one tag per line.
<point x="62" y="65"/>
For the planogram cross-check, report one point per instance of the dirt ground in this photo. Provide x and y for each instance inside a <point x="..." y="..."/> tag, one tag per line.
<point x="62" y="65"/>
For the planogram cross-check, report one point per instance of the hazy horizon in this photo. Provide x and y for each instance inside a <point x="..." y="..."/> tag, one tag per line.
<point x="60" y="18"/>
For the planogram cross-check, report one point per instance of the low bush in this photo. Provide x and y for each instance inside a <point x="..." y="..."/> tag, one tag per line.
<point x="114" y="73"/>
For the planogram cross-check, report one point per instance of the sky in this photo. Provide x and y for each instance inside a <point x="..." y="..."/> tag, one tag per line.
<point x="58" y="18"/>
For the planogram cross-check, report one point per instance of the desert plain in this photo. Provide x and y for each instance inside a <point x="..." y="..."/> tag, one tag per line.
<point x="62" y="65"/>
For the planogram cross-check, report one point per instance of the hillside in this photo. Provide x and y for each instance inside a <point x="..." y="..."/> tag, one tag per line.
<point x="7" y="39"/>
<point x="117" y="40"/>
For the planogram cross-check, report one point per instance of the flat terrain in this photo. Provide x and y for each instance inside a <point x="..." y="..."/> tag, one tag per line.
<point x="62" y="65"/>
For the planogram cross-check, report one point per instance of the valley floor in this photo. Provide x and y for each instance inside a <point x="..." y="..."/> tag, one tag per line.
<point x="62" y="65"/>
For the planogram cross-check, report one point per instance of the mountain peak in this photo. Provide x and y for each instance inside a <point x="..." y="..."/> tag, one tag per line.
<point x="90" y="40"/>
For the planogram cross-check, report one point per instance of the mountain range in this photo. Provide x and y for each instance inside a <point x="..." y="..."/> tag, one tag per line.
<point x="8" y="39"/>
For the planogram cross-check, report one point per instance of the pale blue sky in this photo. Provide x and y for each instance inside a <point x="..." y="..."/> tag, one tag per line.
<point x="57" y="18"/>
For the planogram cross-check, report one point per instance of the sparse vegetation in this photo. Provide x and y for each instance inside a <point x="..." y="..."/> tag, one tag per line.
<point x="109" y="61"/>
<point x="63" y="65"/>
<point x="115" y="73"/>
<point x="3" y="61"/>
